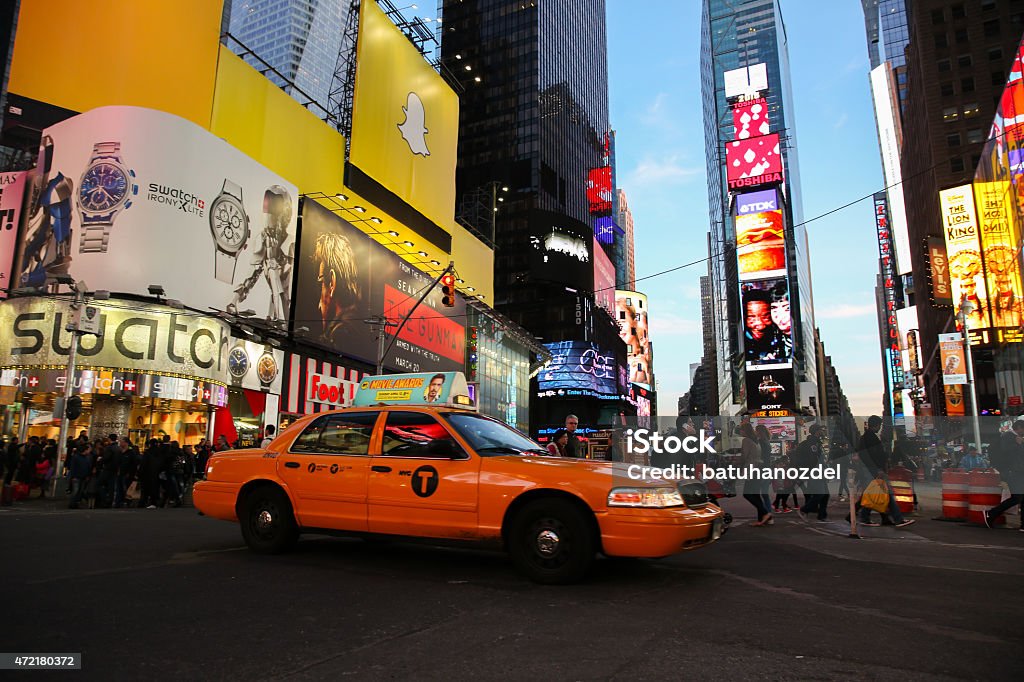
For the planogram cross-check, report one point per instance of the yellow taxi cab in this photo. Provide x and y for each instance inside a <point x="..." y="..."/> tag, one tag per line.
<point x="411" y="458"/>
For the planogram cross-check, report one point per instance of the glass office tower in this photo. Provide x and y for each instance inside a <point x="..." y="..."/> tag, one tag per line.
<point x="737" y="34"/>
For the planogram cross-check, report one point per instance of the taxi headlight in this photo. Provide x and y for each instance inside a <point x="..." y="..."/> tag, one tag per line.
<point x="645" y="497"/>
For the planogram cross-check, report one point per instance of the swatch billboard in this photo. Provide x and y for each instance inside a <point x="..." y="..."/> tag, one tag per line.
<point x="345" y="278"/>
<point x="132" y="196"/>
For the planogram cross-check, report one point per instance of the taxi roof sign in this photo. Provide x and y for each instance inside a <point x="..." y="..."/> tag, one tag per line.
<point x="439" y="389"/>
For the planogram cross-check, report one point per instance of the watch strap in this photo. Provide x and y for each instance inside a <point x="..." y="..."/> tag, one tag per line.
<point x="95" y="238"/>
<point x="106" y="149"/>
<point x="232" y="189"/>
<point x="224" y="264"/>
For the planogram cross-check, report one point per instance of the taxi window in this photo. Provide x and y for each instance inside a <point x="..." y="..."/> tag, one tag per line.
<point x="416" y="434"/>
<point x="338" y="434"/>
<point x="490" y="437"/>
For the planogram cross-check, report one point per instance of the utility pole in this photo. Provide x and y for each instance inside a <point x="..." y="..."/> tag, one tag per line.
<point x="965" y="309"/>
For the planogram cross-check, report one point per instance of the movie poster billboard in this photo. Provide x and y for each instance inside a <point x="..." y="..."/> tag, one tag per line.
<point x="12" y="191"/>
<point x="753" y="161"/>
<point x="131" y="197"/>
<point x="346" y="278"/>
<point x="1000" y="245"/>
<point x="760" y="245"/>
<point x="770" y="390"/>
<point x="767" y="323"/>
<point x="963" y="250"/>
<point x="951" y="357"/>
<point x="631" y="314"/>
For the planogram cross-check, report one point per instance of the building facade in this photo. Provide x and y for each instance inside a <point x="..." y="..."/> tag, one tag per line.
<point x="737" y="36"/>
<point x="624" y="219"/>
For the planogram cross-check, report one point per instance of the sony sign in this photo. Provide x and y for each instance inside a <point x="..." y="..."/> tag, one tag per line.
<point x="134" y="337"/>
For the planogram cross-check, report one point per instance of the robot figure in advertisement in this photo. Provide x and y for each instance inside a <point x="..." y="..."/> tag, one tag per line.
<point x="270" y="259"/>
<point x="47" y="250"/>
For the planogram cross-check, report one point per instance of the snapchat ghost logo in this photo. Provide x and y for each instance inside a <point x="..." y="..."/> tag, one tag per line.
<point x="414" y="128"/>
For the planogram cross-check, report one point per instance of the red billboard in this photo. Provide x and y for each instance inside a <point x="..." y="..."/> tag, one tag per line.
<point x="599" y="190"/>
<point x="750" y="118"/>
<point x="754" y="161"/>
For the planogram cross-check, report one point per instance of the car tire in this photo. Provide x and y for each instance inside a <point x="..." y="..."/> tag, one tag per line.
<point x="268" y="523"/>
<point x="552" y="542"/>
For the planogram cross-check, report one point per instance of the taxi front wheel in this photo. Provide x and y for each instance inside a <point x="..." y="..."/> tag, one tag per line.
<point x="552" y="542"/>
<point x="268" y="524"/>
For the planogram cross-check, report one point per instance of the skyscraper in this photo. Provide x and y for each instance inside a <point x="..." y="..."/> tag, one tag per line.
<point x="533" y="125"/>
<point x="737" y="36"/>
<point x="301" y="39"/>
<point x="624" y="219"/>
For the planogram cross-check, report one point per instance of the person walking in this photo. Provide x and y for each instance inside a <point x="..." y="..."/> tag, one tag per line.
<point x="875" y="464"/>
<point x="764" y="441"/>
<point x="149" y="475"/>
<point x="1009" y="460"/>
<point x="558" y="441"/>
<point x="79" y="469"/>
<point x="573" y="447"/>
<point x="810" y="454"/>
<point x="202" y="455"/>
<point x="839" y="455"/>
<point x="11" y="459"/>
<point x="751" y="457"/>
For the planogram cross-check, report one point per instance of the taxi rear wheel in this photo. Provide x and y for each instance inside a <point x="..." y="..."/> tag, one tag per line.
<point x="552" y="542"/>
<point x="268" y="524"/>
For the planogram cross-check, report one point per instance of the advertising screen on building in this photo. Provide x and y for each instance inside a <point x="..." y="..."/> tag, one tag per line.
<point x="890" y="294"/>
<point x="560" y="250"/>
<point x="405" y="120"/>
<point x="345" y="277"/>
<point x="767" y="323"/>
<point x="631" y="314"/>
<point x="578" y="368"/>
<point x="952" y="359"/>
<point x="254" y="366"/>
<point x="754" y="161"/>
<point x="1000" y="244"/>
<point x="134" y="197"/>
<point x="746" y="81"/>
<point x="770" y="390"/>
<point x="12" y="190"/>
<point x="750" y="118"/>
<point x="599" y="190"/>
<point x="604" y="280"/>
<point x="605" y="229"/>
<point x="760" y="245"/>
<point x="963" y="249"/>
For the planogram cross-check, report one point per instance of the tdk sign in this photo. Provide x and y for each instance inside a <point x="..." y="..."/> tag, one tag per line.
<point x="756" y="202"/>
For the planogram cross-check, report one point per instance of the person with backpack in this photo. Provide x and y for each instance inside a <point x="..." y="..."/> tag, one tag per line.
<point x="1008" y="458"/>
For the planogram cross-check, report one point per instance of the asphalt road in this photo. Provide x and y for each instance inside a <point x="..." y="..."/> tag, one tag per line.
<point x="161" y="594"/>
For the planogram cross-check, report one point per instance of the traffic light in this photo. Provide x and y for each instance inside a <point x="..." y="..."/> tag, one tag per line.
<point x="448" y="290"/>
<point x="74" y="408"/>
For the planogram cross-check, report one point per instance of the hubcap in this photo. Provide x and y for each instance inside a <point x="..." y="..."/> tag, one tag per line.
<point x="264" y="520"/>
<point x="547" y="542"/>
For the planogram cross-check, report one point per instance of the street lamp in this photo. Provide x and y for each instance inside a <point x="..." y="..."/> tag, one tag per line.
<point x="966" y="307"/>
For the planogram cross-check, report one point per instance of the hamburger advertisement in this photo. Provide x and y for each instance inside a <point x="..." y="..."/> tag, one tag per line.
<point x="760" y="245"/>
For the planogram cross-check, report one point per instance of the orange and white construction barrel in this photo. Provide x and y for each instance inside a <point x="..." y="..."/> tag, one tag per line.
<point x="983" y="492"/>
<point x="902" y="481"/>
<point x="954" y="494"/>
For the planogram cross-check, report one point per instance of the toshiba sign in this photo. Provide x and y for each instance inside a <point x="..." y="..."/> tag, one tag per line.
<point x="328" y="390"/>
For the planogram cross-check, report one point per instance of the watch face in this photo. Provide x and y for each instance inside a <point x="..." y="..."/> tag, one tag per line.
<point x="266" y="368"/>
<point x="104" y="186"/>
<point x="238" y="362"/>
<point x="229" y="224"/>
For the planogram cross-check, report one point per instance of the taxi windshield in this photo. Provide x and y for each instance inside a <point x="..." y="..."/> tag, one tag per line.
<point x="490" y="437"/>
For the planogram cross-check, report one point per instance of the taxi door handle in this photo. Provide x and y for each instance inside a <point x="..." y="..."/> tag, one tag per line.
<point x="381" y="469"/>
<point x="292" y="465"/>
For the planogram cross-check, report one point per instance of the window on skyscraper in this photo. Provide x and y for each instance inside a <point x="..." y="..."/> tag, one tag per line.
<point x="963" y="60"/>
<point x="956" y="164"/>
<point x="953" y="140"/>
<point x="995" y="54"/>
<point x="943" y="65"/>
<point x="950" y="114"/>
<point x="946" y="89"/>
<point x="974" y="136"/>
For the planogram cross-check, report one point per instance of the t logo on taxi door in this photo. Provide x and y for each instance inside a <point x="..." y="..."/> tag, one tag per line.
<point x="424" y="481"/>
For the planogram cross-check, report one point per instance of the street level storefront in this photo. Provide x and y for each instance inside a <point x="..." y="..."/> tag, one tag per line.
<point x="312" y="385"/>
<point x="153" y="370"/>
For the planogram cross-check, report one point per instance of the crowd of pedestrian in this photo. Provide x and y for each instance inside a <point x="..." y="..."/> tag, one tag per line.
<point x="108" y="472"/>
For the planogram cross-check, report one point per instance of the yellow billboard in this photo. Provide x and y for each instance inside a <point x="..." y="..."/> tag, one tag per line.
<point x="1000" y="241"/>
<point x="963" y="248"/>
<point x="157" y="54"/>
<point x="405" y="120"/>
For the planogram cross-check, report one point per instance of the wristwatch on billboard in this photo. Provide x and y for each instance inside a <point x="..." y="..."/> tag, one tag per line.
<point x="238" y="364"/>
<point x="230" y="227"/>
<point x="266" y="368"/>
<point x="105" y="190"/>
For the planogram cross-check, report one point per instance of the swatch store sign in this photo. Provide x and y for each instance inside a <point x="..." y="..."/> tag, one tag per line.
<point x="150" y="197"/>
<point x="156" y="352"/>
